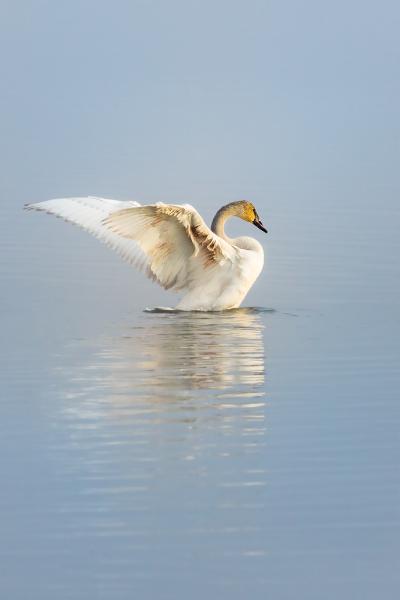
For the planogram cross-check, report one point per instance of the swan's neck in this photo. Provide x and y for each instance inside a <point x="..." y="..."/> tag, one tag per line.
<point x="218" y="224"/>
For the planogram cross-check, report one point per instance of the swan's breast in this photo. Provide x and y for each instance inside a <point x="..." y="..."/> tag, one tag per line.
<point x="248" y="243"/>
<point x="250" y="260"/>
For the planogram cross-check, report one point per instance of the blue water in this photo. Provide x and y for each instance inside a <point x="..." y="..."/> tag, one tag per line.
<point x="248" y="454"/>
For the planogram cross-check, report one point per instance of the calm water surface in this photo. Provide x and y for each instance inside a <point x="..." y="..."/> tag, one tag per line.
<point x="247" y="454"/>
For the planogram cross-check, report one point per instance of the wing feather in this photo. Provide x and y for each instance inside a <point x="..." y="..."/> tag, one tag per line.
<point x="175" y="238"/>
<point x="170" y="242"/>
<point x="89" y="213"/>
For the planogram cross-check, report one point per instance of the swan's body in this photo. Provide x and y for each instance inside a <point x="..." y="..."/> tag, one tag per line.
<point x="174" y="246"/>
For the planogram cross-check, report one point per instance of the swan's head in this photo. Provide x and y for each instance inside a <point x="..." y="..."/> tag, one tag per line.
<point x="247" y="211"/>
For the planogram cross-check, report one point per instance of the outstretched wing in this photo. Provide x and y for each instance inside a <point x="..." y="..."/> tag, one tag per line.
<point x="179" y="245"/>
<point x="171" y="243"/>
<point x="89" y="213"/>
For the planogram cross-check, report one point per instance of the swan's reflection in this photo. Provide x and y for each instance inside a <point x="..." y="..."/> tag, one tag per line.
<point x="169" y="419"/>
<point x="169" y="361"/>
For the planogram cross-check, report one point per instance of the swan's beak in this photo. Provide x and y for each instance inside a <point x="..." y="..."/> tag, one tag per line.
<point x="258" y="224"/>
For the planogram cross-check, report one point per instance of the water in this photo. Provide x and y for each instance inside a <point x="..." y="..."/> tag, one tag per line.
<point x="252" y="453"/>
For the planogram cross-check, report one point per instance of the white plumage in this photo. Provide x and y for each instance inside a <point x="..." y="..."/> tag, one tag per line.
<point x="173" y="245"/>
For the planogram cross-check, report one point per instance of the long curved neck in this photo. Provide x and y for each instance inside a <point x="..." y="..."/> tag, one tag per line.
<point x="217" y="226"/>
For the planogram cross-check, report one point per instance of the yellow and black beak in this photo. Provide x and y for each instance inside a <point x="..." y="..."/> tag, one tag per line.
<point x="258" y="224"/>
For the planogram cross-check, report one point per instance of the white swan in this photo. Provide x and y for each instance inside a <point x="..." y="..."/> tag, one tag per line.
<point x="174" y="246"/>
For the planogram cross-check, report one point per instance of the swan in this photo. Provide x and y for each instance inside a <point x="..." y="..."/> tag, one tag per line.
<point x="174" y="246"/>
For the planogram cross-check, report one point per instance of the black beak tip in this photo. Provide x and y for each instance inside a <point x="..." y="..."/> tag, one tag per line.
<point x="260" y="225"/>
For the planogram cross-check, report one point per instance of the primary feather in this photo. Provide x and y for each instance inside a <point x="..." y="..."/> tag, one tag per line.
<point x="89" y="214"/>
